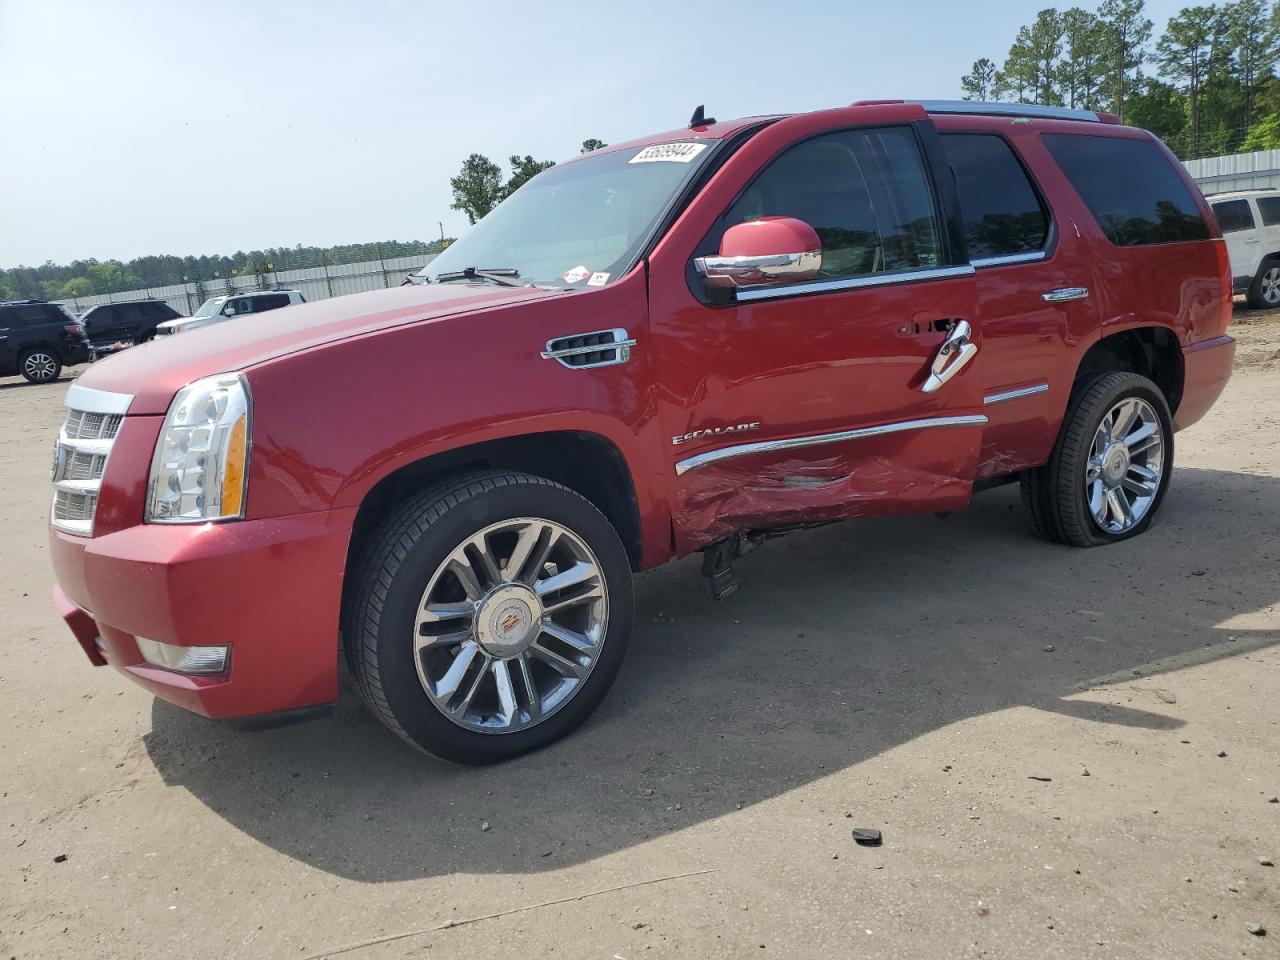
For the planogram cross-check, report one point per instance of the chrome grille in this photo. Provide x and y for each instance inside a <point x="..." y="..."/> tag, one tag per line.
<point x="80" y="456"/>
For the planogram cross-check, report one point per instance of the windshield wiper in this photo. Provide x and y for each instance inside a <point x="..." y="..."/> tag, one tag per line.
<point x="498" y="275"/>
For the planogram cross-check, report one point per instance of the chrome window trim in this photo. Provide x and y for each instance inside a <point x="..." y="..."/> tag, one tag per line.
<point x="97" y="401"/>
<point x="1004" y="396"/>
<point x="816" y="440"/>
<point x="747" y="294"/>
<point x="999" y="109"/>
<point x="1004" y="259"/>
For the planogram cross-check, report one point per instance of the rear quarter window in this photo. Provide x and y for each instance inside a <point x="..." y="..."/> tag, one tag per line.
<point x="1269" y="207"/>
<point x="1130" y="187"/>
<point x="1233" y="215"/>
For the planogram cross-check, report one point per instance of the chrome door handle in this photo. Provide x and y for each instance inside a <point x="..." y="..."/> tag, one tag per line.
<point x="1063" y="294"/>
<point x="953" y="356"/>
<point x="1254" y="240"/>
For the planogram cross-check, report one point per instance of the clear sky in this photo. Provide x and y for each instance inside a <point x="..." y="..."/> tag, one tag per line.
<point x="137" y="126"/>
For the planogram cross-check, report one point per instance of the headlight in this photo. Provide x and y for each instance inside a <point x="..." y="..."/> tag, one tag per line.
<point x="199" y="471"/>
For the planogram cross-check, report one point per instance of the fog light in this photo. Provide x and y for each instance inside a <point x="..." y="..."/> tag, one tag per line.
<point x="184" y="659"/>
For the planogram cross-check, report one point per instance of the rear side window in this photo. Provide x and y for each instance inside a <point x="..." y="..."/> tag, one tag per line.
<point x="270" y="302"/>
<point x="1269" y="207"/>
<point x="35" y="313"/>
<point x="865" y="192"/>
<point x="1233" y="215"/>
<point x="1130" y="187"/>
<point x="1002" y="212"/>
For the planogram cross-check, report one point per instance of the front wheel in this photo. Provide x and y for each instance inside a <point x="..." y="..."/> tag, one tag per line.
<point x="1110" y="469"/>
<point x="488" y="616"/>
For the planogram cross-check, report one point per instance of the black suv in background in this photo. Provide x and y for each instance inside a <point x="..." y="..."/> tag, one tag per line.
<point x="38" y="339"/>
<point x="130" y="321"/>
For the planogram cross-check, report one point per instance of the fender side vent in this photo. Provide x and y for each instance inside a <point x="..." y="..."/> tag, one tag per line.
<point x="602" y="348"/>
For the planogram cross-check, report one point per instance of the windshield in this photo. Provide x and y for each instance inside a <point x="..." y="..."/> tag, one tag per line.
<point x="579" y="224"/>
<point x="209" y="307"/>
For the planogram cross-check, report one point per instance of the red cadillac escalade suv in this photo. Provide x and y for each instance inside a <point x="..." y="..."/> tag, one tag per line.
<point x="683" y="343"/>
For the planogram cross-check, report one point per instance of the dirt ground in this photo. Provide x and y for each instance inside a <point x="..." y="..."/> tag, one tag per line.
<point x="1071" y="754"/>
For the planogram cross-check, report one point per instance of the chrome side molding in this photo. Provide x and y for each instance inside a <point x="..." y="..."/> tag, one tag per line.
<point x="1004" y="396"/>
<point x="817" y="440"/>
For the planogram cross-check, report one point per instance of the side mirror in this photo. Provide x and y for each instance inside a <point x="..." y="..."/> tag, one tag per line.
<point x="770" y="250"/>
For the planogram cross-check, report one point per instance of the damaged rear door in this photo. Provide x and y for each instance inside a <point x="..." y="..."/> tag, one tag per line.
<point x="852" y="392"/>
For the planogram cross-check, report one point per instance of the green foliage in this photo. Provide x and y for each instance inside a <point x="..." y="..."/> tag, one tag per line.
<point x="523" y="169"/>
<point x="1215" y="66"/>
<point x="592" y="144"/>
<point x="1263" y="135"/>
<point x="978" y="84"/>
<point x="478" y="187"/>
<point x="84" y="278"/>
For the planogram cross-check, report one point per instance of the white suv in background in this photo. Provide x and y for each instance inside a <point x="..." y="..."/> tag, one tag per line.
<point x="1250" y="222"/>
<point x="217" y="309"/>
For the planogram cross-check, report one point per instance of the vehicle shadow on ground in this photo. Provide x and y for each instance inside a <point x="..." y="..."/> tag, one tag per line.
<point x="843" y="642"/>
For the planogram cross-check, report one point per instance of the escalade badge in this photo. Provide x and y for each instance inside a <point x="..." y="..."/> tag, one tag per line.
<point x="715" y="432"/>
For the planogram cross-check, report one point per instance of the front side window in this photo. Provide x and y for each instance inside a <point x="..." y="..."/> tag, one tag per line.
<point x="1269" y="207"/>
<point x="1233" y="215"/>
<point x="1130" y="187"/>
<point x="1002" y="212"/>
<point x="865" y="192"/>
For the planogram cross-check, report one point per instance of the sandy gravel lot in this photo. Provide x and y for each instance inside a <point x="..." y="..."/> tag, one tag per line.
<point x="1071" y="754"/>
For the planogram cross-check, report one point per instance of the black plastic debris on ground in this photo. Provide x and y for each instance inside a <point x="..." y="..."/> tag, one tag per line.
<point x="867" y="836"/>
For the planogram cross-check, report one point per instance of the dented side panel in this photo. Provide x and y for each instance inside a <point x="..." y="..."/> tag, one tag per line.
<point x="898" y="473"/>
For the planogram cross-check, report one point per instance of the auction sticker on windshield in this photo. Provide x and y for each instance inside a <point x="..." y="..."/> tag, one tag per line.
<point x="576" y="275"/>
<point x="668" y="153"/>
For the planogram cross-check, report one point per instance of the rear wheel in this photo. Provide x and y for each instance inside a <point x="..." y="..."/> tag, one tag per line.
<point x="489" y="616"/>
<point x="1111" y="467"/>
<point x="1264" y="292"/>
<point x="40" y="365"/>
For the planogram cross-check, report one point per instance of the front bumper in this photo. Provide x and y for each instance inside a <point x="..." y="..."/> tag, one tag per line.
<point x="1206" y="368"/>
<point x="270" y="588"/>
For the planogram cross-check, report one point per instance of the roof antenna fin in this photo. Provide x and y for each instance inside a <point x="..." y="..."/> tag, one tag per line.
<point x="699" y="119"/>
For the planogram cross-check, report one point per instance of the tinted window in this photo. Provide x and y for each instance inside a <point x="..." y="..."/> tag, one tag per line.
<point x="866" y="193"/>
<point x="29" y="315"/>
<point x="159" y="311"/>
<point x="270" y="302"/>
<point x="1130" y="187"/>
<point x="1233" y="215"/>
<point x="1269" y="207"/>
<point x="1002" y="213"/>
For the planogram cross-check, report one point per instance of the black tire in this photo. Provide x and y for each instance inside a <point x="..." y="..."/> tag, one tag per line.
<point x="1054" y="494"/>
<point x="385" y="588"/>
<point x="1264" y="291"/>
<point x="39" y="365"/>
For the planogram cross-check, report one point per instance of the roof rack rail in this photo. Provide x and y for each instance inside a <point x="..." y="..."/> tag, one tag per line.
<point x="998" y="109"/>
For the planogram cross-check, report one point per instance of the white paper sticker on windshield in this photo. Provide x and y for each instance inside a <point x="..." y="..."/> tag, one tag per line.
<point x="669" y="152"/>
<point x="576" y="275"/>
<point x="598" y="280"/>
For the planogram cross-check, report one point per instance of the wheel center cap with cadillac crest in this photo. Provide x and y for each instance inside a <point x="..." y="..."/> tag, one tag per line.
<point x="507" y="621"/>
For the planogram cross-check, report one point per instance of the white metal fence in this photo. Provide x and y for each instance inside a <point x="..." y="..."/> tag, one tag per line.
<point x="315" y="283"/>
<point x="1241" y="171"/>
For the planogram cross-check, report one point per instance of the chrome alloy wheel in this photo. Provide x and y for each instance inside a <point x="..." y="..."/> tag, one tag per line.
<point x="1270" y="286"/>
<point x="510" y="625"/>
<point x="1126" y="463"/>
<point x="40" y="367"/>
